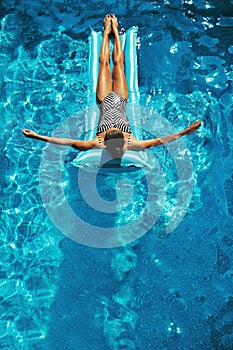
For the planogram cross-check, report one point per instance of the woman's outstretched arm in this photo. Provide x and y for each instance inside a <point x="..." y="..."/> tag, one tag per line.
<point x="77" y="144"/>
<point x="162" y="140"/>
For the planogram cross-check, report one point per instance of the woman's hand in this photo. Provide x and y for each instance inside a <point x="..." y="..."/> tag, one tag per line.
<point x="193" y="127"/>
<point x="29" y="133"/>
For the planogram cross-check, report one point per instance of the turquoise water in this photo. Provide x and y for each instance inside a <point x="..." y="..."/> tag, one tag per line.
<point x="164" y="290"/>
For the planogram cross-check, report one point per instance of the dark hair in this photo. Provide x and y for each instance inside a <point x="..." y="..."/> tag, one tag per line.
<point x="114" y="142"/>
<point x="117" y="138"/>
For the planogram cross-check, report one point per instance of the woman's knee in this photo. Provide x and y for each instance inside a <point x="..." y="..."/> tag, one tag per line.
<point x="104" y="61"/>
<point x="119" y="58"/>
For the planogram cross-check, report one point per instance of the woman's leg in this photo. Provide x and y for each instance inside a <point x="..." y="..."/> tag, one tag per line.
<point x="104" y="86"/>
<point x="119" y="79"/>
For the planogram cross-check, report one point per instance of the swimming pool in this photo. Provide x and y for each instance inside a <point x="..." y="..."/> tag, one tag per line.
<point x="162" y="291"/>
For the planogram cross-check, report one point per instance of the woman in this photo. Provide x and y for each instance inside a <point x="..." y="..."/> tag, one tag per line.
<point x="113" y="132"/>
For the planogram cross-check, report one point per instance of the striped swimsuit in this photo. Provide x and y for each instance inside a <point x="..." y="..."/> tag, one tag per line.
<point x="112" y="114"/>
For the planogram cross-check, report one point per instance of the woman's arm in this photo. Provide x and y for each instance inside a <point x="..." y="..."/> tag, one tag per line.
<point x="162" y="140"/>
<point x="77" y="144"/>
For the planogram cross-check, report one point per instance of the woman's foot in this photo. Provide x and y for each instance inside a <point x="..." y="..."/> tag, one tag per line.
<point x="114" y="23"/>
<point x="107" y="24"/>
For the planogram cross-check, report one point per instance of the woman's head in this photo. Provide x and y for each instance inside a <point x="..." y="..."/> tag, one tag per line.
<point x="114" y="142"/>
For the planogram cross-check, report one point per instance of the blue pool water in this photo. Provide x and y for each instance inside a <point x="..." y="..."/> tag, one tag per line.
<point x="165" y="290"/>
